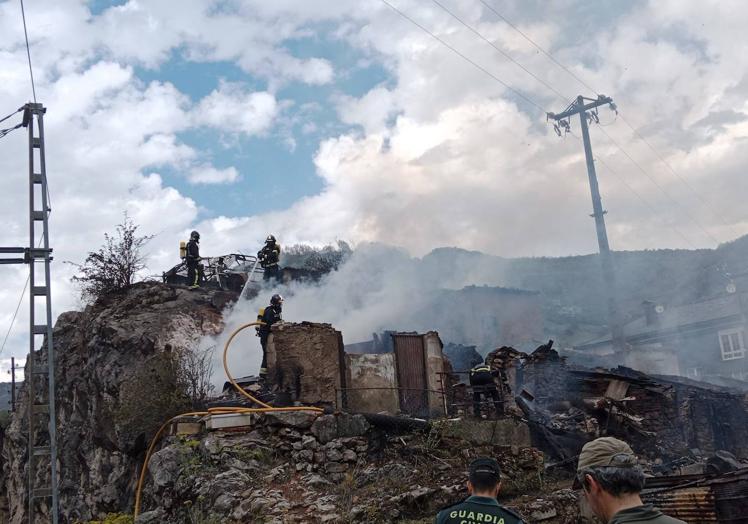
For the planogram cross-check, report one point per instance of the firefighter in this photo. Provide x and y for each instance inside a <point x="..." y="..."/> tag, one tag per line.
<point x="269" y="316"/>
<point x="269" y="256"/>
<point x="484" y="484"/>
<point x="194" y="271"/>
<point x="482" y="383"/>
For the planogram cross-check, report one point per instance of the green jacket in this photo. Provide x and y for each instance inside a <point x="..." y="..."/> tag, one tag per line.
<point x="643" y="514"/>
<point x="475" y="510"/>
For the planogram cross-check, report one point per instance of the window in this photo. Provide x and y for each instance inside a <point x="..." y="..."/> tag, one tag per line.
<point x="732" y="344"/>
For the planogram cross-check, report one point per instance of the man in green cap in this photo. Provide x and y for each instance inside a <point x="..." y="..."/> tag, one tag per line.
<point x="481" y="506"/>
<point x="611" y="481"/>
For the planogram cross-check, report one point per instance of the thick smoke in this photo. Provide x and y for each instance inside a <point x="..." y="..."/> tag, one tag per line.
<point x="377" y="288"/>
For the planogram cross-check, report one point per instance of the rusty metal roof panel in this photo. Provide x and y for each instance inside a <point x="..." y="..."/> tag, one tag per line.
<point x="701" y="498"/>
<point x="689" y="504"/>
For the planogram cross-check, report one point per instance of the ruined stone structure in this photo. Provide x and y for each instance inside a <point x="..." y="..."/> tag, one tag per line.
<point x="305" y="361"/>
<point x="307" y="364"/>
<point x="376" y="378"/>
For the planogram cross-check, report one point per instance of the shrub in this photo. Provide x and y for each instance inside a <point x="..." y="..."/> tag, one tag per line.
<point x="115" y="265"/>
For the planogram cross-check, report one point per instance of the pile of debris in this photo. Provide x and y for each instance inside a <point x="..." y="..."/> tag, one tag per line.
<point x="664" y="419"/>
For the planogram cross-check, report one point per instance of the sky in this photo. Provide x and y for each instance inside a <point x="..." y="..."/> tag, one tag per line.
<point x="415" y="123"/>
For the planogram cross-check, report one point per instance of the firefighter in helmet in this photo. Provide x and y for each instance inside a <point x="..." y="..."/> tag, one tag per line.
<point x="194" y="271"/>
<point x="268" y="316"/>
<point x="269" y="257"/>
<point x="482" y="383"/>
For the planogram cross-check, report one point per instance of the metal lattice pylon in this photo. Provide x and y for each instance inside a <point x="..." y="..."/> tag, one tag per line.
<point x="40" y="376"/>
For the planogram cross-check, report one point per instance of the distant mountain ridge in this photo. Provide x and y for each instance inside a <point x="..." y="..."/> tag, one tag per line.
<point x="574" y="295"/>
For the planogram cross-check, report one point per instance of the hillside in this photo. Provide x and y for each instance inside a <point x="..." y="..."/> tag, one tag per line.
<point x="572" y="289"/>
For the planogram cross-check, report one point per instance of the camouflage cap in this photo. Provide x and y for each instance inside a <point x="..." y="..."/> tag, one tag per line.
<point x="484" y="467"/>
<point x="606" y="451"/>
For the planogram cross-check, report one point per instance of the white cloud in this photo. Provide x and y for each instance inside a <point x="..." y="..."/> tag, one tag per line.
<point x="442" y="154"/>
<point x="207" y="174"/>
<point x="231" y="109"/>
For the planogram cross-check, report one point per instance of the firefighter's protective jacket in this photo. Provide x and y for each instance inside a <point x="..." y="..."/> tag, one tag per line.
<point x="269" y="255"/>
<point x="193" y="251"/>
<point x="270" y="316"/>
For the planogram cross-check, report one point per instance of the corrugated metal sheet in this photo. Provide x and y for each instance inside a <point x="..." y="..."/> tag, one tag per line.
<point x="693" y="498"/>
<point x="410" y="355"/>
<point x="689" y="504"/>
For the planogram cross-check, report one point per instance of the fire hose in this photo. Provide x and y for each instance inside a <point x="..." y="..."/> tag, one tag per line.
<point x="219" y="410"/>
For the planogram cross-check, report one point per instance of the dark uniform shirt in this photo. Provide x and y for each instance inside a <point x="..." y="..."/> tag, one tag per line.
<point x="645" y="514"/>
<point x="478" y="510"/>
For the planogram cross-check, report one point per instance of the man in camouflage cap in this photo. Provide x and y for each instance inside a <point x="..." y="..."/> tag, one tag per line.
<point x="484" y="483"/>
<point x="611" y="480"/>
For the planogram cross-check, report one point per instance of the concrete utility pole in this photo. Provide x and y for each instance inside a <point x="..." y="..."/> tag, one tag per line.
<point x="586" y="108"/>
<point x="12" y="372"/>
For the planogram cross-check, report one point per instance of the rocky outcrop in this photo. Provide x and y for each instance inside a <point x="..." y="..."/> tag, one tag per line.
<point x="339" y="468"/>
<point x="115" y="387"/>
<point x="110" y="367"/>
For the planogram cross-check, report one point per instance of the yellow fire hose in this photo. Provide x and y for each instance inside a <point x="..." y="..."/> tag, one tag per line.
<point x="219" y="410"/>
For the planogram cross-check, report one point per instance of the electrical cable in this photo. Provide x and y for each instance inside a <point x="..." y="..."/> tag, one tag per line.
<point x="3" y="119"/>
<point x="673" y="200"/>
<point x="638" y="195"/>
<point x="647" y="204"/>
<point x="675" y="173"/>
<point x="464" y="57"/>
<point x="219" y="410"/>
<point x="8" y="130"/>
<point x="546" y="53"/>
<point x="662" y="159"/>
<point x="618" y="146"/>
<point x="560" y="95"/>
<point x="13" y="320"/>
<point x="18" y="306"/>
<point x="504" y="53"/>
<point x="28" y="51"/>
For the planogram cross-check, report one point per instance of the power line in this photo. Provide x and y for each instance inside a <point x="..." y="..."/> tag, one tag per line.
<point x="643" y="201"/>
<point x="618" y="146"/>
<point x="639" y="196"/>
<point x="546" y="53"/>
<point x="670" y="168"/>
<point x="3" y="119"/>
<point x="13" y="320"/>
<point x="20" y="299"/>
<point x="458" y="53"/>
<point x="504" y="53"/>
<point x="652" y="179"/>
<point x="28" y="50"/>
<point x="662" y="159"/>
<point x="555" y="91"/>
<point x="8" y="130"/>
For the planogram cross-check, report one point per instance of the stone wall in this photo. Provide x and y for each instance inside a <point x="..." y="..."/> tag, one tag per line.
<point x="434" y="369"/>
<point x="305" y="360"/>
<point x="371" y="371"/>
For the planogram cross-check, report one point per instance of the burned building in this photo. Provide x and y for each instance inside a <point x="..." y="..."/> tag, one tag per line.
<point x="662" y="417"/>
<point x="703" y="340"/>
<point x="307" y="363"/>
